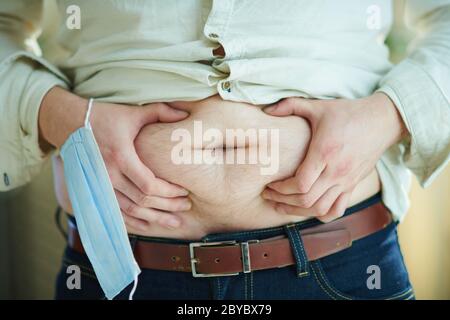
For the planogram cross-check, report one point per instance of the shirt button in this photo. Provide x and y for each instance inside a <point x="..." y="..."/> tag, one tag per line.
<point x="226" y="86"/>
<point x="213" y="35"/>
<point x="6" y="179"/>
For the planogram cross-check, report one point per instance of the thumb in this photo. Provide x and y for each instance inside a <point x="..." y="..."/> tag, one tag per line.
<point x="160" y="112"/>
<point x="291" y="106"/>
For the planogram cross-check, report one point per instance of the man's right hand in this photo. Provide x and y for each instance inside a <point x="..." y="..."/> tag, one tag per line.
<point x="143" y="198"/>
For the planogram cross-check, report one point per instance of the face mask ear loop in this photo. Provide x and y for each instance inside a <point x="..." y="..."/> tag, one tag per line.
<point x="134" y="287"/>
<point x="88" y="113"/>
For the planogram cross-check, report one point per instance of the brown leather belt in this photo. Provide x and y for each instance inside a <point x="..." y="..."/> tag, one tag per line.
<point x="206" y="259"/>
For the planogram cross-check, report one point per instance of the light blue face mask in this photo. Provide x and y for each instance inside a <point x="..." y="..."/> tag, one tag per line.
<point x="99" y="220"/>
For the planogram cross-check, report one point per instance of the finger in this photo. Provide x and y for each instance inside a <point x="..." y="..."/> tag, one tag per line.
<point x="141" y="199"/>
<point x="307" y="173"/>
<point x="288" y="186"/>
<point x="320" y="209"/>
<point x="338" y="208"/>
<point x="323" y="205"/>
<point x="134" y="223"/>
<point x="127" y="188"/>
<point x="162" y="188"/>
<point x="319" y="188"/>
<point x="295" y="199"/>
<point x="160" y="112"/>
<point x="292" y="106"/>
<point x="310" y="169"/>
<point x="145" y="180"/>
<point x="294" y="210"/>
<point x="272" y="195"/>
<point x="149" y="215"/>
<point x="168" y="204"/>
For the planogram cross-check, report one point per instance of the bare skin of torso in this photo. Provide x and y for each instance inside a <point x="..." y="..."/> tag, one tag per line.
<point x="225" y="197"/>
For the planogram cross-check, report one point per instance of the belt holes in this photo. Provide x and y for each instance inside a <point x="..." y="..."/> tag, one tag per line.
<point x="265" y="255"/>
<point x="175" y="259"/>
<point x="216" y="260"/>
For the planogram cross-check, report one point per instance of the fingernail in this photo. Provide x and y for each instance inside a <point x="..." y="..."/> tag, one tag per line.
<point x="173" y="223"/>
<point x="270" y="109"/>
<point x="187" y="206"/>
<point x="266" y="194"/>
<point x="181" y="112"/>
<point x="184" y="192"/>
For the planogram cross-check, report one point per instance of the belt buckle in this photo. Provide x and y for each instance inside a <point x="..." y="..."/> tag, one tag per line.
<point x="194" y="245"/>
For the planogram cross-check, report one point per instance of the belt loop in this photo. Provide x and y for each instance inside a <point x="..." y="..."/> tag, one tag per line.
<point x="298" y="250"/>
<point x="133" y="239"/>
<point x="58" y="222"/>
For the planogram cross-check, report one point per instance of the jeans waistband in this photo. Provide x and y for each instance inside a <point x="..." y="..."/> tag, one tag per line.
<point x="257" y="234"/>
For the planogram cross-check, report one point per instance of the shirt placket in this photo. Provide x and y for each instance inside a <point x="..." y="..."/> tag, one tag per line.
<point x="215" y="30"/>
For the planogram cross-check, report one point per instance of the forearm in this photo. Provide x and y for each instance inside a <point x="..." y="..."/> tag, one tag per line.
<point x="61" y="112"/>
<point x="383" y="110"/>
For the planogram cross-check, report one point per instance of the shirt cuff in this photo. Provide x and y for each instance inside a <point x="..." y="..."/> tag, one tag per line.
<point x="425" y="111"/>
<point x="38" y="84"/>
<point x="30" y="79"/>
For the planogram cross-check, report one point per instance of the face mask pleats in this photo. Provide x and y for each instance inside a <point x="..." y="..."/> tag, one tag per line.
<point x="97" y="213"/>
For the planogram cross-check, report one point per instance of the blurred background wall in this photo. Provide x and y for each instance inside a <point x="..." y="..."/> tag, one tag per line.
<point x="425" y="239"/>
<point x="32" y="242"/>
<point x="31" y="246"/>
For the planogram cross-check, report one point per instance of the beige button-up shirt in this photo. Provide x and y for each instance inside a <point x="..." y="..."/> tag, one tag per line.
<point x="144" y="51"/>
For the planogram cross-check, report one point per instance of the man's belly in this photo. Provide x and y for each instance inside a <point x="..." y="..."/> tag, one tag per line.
<point x="225" y="153"/>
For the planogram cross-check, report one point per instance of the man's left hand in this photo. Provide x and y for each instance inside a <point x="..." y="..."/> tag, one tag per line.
<point x="348" y="138"/>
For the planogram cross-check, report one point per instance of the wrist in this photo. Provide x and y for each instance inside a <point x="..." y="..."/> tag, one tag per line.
<point x="61" y="112"/>
<point x="390" y="122"/>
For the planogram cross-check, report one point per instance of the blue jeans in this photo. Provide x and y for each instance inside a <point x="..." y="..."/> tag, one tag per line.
<point x="343" y="275"/>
